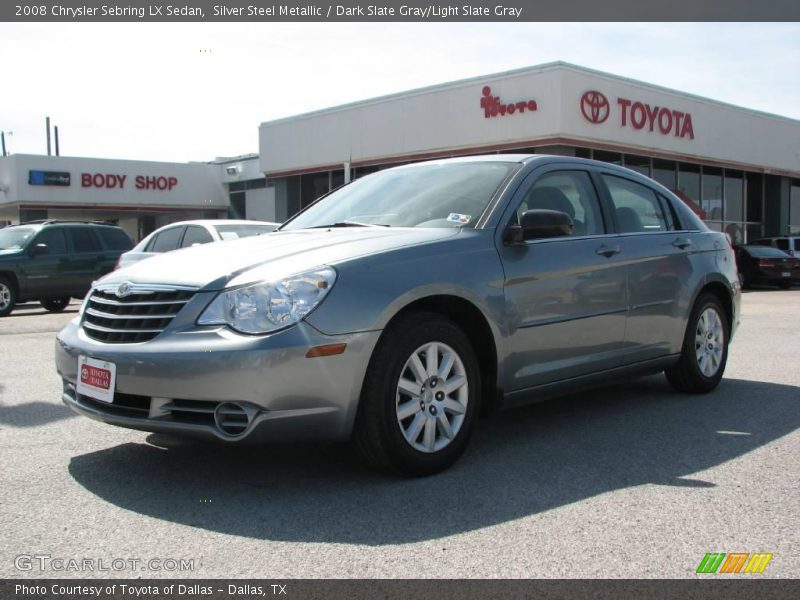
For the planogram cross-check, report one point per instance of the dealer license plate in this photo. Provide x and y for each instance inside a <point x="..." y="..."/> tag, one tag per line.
<point x="96" y="378"/>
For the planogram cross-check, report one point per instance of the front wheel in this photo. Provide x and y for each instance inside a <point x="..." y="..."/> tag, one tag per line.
<point x="8" y="297"/>
<point x="705" y="348"/>
<point x="55" y="305"/>
<point x="420" y="397"/>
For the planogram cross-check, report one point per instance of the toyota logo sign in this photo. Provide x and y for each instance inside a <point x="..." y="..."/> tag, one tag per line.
<point x="594" y="106"/>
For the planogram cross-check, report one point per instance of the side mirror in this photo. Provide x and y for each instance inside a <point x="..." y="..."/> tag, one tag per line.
<point x="39" y="249"/>
<point x="538" y="224"/>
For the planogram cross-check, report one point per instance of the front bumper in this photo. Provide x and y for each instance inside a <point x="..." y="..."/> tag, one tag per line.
<point x="175" y="382"/>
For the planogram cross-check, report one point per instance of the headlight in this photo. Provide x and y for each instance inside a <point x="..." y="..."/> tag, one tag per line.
<point x="269" y="305"/>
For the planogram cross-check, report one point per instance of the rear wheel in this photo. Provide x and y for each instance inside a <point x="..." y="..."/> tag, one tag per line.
<point x="8" y="297"/>
<point x="784" y="285"/>
<point x="55" y="305"/>
<point x="420" y="397"/>
<point x="705" y="348"/>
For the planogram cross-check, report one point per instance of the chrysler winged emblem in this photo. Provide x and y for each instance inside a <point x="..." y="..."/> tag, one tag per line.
<point x="123" y="290"/>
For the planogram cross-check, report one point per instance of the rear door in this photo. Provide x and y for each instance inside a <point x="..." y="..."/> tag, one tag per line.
<point x="86" y="258"/>
<point x="565" y="296"/>
<point x="659" y="267"/>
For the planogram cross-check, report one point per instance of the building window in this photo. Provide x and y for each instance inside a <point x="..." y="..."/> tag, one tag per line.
<point x="794" y="209"/>
<point x="312" y="186"/>
<point x="689" y="181"/>
<point x="32" y="214"/>
<point x="583" y="152"/>
<point x="734" y="195"/>
<point x="640" y="164"/>
<point x="361" y="171"/>
<point x="609" y="157"/>
<point x="664" y="172"/>
<point x="238" y="206"/>
<point x="712" y="193"/>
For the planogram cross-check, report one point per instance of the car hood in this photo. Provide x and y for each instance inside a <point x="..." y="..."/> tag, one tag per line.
<point x="271" y="256"/>
<point x="10" y="253"/>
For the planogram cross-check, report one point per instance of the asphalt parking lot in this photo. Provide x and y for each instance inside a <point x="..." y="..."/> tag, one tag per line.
<point x="630" y="481"/>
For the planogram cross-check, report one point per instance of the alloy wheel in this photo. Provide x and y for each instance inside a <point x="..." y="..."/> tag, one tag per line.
<point x="709" y="342"/>
<point x="432" y="396"/>
<point x="5" y="296"/>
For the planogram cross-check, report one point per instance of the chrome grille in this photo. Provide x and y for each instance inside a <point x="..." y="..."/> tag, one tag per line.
<point x="138" y="316"/>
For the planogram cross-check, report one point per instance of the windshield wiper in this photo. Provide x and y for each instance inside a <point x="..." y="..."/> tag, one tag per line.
<point x="349" y="224"/>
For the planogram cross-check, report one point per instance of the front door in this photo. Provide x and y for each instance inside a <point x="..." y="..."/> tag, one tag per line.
<point x="566" y="296"/>
<point x="45" y="271"/>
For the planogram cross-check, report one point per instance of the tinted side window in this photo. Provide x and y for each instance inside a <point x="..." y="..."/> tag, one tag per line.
<point x="115" y="239"/>
<point x="196" y="235"/>
<point x="166" y="240"/>
<point x="636" y="206"/>
<point x="83" y="240"/>
<point x="782" y="244"/>
<point x="796" y="244"/>
<point x="571" y="192"/>
<point x="55" y="239"/>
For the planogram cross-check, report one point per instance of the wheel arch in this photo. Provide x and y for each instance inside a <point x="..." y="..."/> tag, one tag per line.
<point x="11" y="277"/>
<point x="474" y="323"/>
<point x="724" y="294"/>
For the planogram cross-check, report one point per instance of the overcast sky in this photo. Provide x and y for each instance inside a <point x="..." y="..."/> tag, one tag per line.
<point x="180" y="92"/>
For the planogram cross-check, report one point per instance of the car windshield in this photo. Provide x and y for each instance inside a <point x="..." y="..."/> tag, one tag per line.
<point x="15" y="237"/>
<point x="427" y="195"/>
<point x="233" y="232"/>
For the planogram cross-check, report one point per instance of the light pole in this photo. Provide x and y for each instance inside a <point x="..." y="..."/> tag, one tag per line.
<point x="3" y="140"/>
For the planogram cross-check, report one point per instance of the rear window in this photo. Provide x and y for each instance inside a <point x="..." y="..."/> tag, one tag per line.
<point x="765" y="252"/>
<point x="115" y="239"/>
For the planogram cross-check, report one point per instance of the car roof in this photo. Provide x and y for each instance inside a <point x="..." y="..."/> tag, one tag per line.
<point x="526" y="159"/>
<point x="51" y="223"/>
<point x="218" y="222"/>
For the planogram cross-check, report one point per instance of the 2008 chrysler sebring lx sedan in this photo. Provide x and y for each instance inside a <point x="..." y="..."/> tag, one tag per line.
<point x="396" y="309"/>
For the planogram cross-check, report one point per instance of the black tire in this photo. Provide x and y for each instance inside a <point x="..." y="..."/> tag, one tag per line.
<point x="686" y="375"/>
<point x="55" y="305"/>
<point x="8" y="296"/>
<point x="377" y="434"/>
<point x="785" y="285"/>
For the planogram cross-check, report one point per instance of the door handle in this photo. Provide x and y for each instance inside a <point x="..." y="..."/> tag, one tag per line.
<point x="608" y="251"/>
<point x="682" y="243"/>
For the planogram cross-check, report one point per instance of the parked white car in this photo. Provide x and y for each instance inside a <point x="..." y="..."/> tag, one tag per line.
<point x="184" y="234"/>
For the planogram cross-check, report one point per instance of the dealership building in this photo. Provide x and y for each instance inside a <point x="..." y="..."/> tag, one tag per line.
<point x="738" y="168"/>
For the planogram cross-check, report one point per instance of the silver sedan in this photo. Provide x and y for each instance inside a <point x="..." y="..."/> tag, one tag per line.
<point x="395" y="310"/>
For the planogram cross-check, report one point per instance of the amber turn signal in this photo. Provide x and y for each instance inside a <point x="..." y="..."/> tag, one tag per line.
<point x="327" y="350"/>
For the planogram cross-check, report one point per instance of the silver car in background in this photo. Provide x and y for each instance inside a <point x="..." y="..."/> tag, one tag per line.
<point x="184" y="234"/>
<point x="396" y="309"/>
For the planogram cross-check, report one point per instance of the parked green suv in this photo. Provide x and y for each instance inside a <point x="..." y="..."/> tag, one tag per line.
<point x="53" y="261"/>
